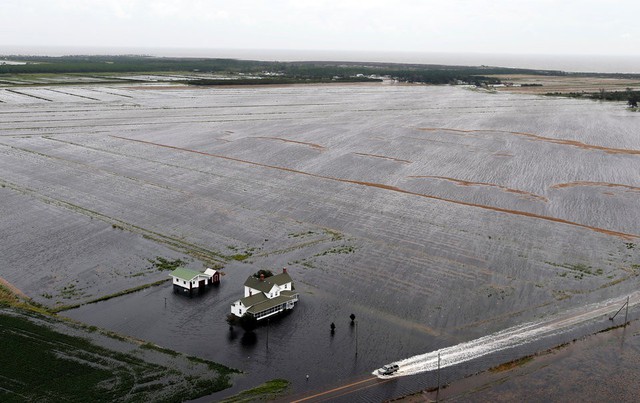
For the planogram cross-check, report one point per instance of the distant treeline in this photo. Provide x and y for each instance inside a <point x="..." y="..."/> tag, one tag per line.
<point x="424" y="73"/>
<point x="629" y="96"/>
<point x="121" y="64"/>
<point x="298" y="71"/>
<point x="279" y="80"/>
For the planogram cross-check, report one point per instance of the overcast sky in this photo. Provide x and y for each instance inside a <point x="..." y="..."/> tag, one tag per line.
<point x="482" y="26"/>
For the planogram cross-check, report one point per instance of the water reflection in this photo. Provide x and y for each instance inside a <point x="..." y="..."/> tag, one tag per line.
<point x="249" y="339"/>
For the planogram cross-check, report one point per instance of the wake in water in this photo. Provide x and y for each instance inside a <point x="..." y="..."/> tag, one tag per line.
<point x="508" y="338"/>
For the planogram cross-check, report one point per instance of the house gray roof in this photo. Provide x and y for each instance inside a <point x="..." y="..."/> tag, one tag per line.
<point x="253" y="299"/>
<point x="269" y="303"/>
<point x="280" y="279"/>
<point x="185" y="274"/>
<point x="267" y="284"/>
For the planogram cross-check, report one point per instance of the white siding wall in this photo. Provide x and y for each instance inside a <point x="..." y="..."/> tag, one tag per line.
<point x="238" y="309"/>
<point x="181" y="283"/>
<point x="250" y="291"/>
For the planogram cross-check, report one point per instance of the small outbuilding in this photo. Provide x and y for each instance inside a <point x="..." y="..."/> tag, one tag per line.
<point x="187" y="280"/>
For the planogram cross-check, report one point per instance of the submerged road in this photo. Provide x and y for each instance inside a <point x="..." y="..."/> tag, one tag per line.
<point x="513" y="337"/>
<point x="331" y="394"/>
<point x="474" y="349"/>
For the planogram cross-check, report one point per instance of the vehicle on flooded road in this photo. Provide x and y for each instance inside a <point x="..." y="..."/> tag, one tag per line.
<point x="388" y="369"/>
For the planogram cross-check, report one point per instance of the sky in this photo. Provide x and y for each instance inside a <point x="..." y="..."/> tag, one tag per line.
<point x="552" y="27"/>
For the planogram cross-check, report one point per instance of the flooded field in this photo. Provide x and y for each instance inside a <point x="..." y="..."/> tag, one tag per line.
<point x="437" y="215"/>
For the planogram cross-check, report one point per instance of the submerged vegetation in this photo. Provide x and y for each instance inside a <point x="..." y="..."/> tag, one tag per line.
<point x="267" y="391"/>
<point x="67" y="367"/>
<point x="579" y="269"/>
<point x="163" y="264"/>
<point x="61" y="308"/>
<point x="70" y="368"/>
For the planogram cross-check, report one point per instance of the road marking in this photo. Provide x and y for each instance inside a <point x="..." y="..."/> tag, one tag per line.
<point x="334" y="390"/>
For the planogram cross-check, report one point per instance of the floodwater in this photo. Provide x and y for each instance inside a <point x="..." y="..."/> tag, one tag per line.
<point x="437" y="215"/>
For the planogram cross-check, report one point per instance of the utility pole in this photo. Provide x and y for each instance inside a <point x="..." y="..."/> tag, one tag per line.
<point x="356" y="338"/>
<point x="438" y="392"/>
<point x="626" y="313"/>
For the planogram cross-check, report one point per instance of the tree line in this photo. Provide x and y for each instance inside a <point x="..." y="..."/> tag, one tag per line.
<point x="630" y="96"/>
<point x="297" y="71"/>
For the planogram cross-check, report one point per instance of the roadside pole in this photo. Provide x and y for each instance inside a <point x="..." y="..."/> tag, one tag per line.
<point x="438" y="392"/>
<point x="356" y="338"/>
<point x="626" y="313"/>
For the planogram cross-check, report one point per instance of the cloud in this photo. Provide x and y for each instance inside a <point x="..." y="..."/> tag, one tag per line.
<point x="515" y="26"/>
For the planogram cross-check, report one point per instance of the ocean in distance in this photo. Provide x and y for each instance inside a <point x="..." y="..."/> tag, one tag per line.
<point x="570" y="63"/>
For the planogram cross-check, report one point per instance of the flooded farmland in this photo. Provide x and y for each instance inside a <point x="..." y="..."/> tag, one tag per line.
<point x="437" y="215"/>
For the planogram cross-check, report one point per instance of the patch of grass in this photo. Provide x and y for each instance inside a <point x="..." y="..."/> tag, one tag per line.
<point x="335" y="235"/>
<point x="511" y="364"/>
<point x="611" y="328"/>
<point x="338" y="250"/>
<point x="267" y="391"/>
<point x="300" y="234"/>
<point x="213" y="365"/>
<point x="163" y="264"/>
<point x="70" y="292"/>
<point x="151" y="346"/>
<point x="240" y="257"/>
<point x="9" y="299"/>
<point x="560" y="295"/>
<point x="581" y="269"/>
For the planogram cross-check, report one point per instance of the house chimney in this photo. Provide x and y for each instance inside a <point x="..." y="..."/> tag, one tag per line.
<point x="261" y="276"/>
<point x="284" y="270"/>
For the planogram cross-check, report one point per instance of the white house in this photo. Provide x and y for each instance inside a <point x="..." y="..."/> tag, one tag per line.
<point x="264" y="297"/>
<point x="187" y="280"/>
